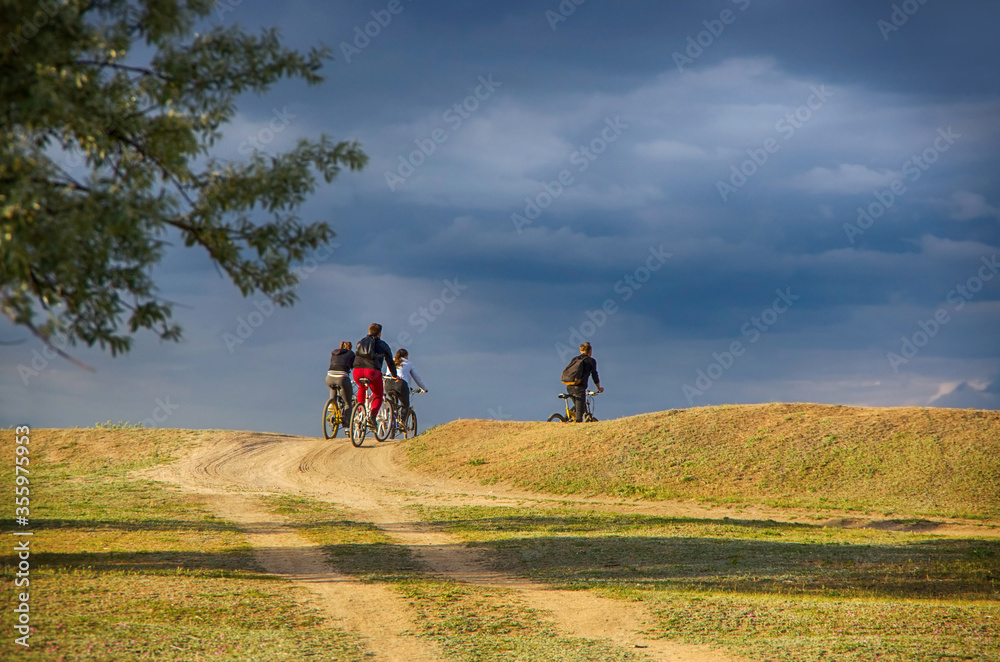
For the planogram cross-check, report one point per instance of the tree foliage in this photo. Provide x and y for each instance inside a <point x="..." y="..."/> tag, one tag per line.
<point x="109" y="110"/>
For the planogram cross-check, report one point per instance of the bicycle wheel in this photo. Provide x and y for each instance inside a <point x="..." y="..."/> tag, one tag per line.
<point x="589" y="418"/>
<point x="410" y="426"/>
<point x="396" y="427"/>
<point x="556" y="418"/>
<point x="331" y="419"/>
<point x="359" y="424"/>
<point x="385" y="419"/>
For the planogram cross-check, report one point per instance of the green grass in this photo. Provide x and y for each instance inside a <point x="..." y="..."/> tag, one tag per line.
<point x="774" y="628"/>
<point x="353" y="547"/>
<point x="124" y="568"/>
<point x="470" y="623"/>
<point x="761" y="589"/>
<point x="914" y="462"/>
<point x="489" y="625"/>
<point x="128" y="569"/>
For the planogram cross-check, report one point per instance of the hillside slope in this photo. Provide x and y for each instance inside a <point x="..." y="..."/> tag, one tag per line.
<point x="907" y="461"/>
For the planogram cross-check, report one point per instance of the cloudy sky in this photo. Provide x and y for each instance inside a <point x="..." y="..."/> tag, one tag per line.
<point x="735" y="201"/>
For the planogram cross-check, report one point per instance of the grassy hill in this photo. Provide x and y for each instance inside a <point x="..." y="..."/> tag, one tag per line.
<point x="907" y="461"/>
<point x="126" y="568"/>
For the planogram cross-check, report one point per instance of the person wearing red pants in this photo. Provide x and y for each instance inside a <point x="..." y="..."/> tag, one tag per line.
<point x="369" y="354"/>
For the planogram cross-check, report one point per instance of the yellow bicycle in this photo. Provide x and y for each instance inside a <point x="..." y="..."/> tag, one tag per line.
<point x="333" y="416"/>
<point x="588" y="413"/>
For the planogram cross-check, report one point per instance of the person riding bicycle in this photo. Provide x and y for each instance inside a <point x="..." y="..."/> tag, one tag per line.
<point x="338" y="377"/>
<point x="401" y="387"/>
<point x="584" y="367"/>
<point x="368" y="356"/>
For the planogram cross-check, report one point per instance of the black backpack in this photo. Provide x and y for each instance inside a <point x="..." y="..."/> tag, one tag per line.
<point x="572" y="375"/>
<point x="366" y="348"/>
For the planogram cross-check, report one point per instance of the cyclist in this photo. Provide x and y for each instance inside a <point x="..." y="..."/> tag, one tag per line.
<point x="338" y="377"/>
<point x="370" y="352"/>
<point x="401" y="387"/>
<point x="578" y="391"/>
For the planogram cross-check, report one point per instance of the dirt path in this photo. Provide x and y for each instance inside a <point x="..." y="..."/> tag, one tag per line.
<point x="236" y="467"/>
<point x="372" y="611"/>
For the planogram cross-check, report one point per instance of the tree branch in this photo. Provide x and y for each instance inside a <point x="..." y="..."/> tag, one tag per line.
<point x="48" y="343"/>
<point x="145" y="71"/>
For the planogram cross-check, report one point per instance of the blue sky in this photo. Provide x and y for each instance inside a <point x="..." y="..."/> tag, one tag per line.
<point x="735" y="201"/>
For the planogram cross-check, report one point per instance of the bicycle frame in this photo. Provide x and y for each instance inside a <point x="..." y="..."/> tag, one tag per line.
<point x="361" y="416"/>
<point x="588" y="412"/>
<point x="334" y="418"/>
<point x="399" y="426"/>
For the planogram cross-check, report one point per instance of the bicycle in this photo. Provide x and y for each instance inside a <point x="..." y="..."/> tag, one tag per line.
<point x="588" y="415"/>
<point x="409" y="426"/>
<point x="361" y="417"/>
<point x="333" y="416"/>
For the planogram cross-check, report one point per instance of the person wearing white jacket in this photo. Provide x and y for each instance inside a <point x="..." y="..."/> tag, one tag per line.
<point x="408" y="378"/>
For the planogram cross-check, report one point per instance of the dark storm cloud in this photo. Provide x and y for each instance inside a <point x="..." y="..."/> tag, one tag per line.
<point x="841" y="153"/>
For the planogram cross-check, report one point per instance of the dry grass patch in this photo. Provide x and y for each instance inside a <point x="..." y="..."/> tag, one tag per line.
<point x="577" y="548"/>
<point x="124" y="569"/>
<point x="909" y="461"/>
<point x="470" y="623"/>
<point x="763" y="590"/>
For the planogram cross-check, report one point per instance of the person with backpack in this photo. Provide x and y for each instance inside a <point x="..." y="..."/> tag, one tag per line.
<point x="369" y="354"/>
<point x="576" y="375"/>
<point x="338" y="377"/>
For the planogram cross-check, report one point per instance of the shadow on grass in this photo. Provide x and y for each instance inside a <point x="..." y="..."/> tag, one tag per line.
<point x="603" y="521"/>
<point x="580" y="551"/>
<point x="373" y="561"/>
<point x="178" y="525"/>
<point x="947" y="568"/>
<point x="213" y="525"/>
<point x="139" y="563"/>
<point x="967" y="569"/>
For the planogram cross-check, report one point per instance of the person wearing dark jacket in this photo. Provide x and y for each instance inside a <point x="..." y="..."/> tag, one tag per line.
<point x="338" y="377"/>
<point x="371" y="352"/>
<point x="578" y="392"/>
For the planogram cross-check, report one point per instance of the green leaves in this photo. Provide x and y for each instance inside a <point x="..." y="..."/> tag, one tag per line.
<point x="101" y="156"/>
